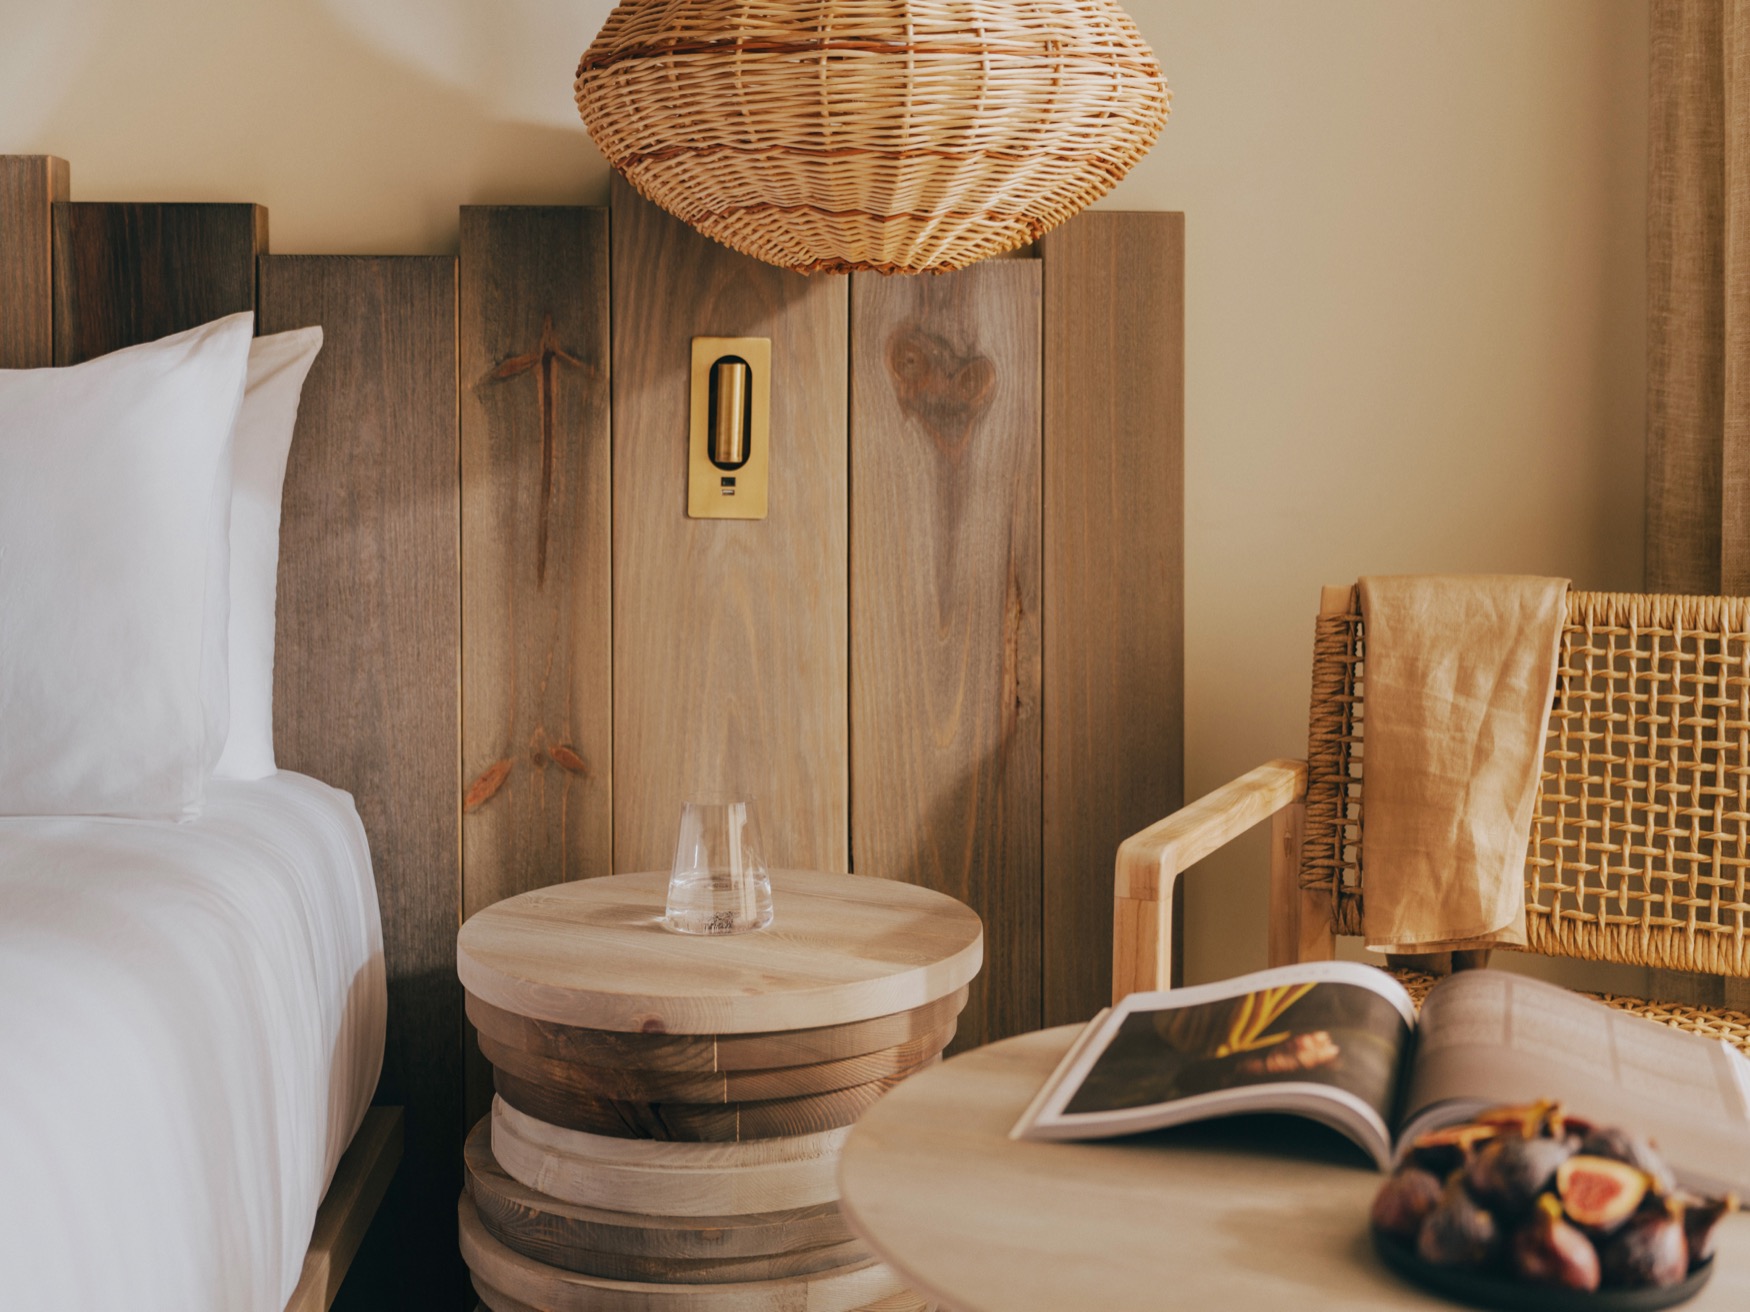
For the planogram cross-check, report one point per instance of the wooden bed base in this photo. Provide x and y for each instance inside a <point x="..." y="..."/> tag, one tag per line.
<point x="360" y="1181"/>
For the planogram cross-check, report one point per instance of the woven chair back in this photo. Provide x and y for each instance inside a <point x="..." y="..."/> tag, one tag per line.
<point x="1640" y="839"/>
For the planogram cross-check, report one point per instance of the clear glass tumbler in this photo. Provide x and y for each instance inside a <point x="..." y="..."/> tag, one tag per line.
<point x="719" y="884"/>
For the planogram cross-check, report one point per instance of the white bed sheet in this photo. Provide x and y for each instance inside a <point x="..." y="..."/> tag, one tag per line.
<point x="191" y="1027"/>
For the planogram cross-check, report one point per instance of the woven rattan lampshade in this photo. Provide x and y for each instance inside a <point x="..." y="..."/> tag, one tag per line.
<point x="897" y="135"/>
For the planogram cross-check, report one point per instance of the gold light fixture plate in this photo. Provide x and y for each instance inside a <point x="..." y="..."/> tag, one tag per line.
<point x="738" y="492"/>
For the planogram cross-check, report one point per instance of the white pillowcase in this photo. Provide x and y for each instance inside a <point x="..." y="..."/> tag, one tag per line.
<point x="278" y="366"/>
<point x="115" y="493"/>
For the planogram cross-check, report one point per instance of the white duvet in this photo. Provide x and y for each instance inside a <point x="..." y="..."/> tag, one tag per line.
<point x="191" y="1026"/>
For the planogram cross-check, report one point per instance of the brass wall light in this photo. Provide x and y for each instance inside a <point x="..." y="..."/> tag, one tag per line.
<point x="729" y="441"/>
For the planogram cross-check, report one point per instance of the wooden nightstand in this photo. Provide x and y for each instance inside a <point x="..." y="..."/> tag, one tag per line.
<point x="670" y="1108"/>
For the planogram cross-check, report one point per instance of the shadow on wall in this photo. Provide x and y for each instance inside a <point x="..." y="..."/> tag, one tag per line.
<point x="392" y="105"/>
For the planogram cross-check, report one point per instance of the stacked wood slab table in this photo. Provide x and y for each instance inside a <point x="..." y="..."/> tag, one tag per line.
<point x="670" y="1108"/>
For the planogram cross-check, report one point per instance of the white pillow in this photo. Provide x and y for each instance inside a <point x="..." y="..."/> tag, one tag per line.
<point x="115" y="494"/>
<point x="261" y="442"/>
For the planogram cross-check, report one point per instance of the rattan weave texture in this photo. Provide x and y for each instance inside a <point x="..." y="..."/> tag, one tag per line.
<point x="896" y="135"/>
<point x="1640" y="842"/>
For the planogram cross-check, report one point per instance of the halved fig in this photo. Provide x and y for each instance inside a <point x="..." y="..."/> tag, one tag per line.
<point x="1635" y="1149"/>
<point x="1599" y="1193"/>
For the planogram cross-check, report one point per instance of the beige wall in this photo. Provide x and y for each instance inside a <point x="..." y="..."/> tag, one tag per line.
<point x="1415" y="276"/>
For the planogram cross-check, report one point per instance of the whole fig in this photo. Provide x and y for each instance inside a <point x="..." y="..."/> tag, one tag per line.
<point x="1637" y="1150"/>
<point x="1701" y="1217"/>
<point x="1404" y="1201"/>
<point x="1458" y="1232"/>
<point x="1649" y="1250"/>
<point x="1509" y="1174"/>
<point x="1599" y="1193"/>
<point x="1547" y="1250"/>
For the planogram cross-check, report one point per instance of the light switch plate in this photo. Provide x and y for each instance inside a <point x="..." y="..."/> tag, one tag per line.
<point x="714" y="493"/>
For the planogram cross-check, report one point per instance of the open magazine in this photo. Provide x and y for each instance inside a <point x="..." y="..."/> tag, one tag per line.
<point x="1342" y="1044"/>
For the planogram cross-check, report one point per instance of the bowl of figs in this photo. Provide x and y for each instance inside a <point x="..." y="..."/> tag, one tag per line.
<point x="1526" y="1207"/>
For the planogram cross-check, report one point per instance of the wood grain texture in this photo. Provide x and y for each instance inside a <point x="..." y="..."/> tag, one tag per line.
<point x="677" y="1238"/>
<point x="1287" y="832"/>
<point x="841" y="948"/>
<point x="666" y="1179"/>
<point x="365" y="681"/>
<point x="539" y="1225"/>
<point x="685" y="1122"/>
<point x="905" y="1301"/>
<point x="129" y="273"/>
<point x="1114" y="384"/>
<point x="654" y="1153"/>
<point x="29" y="187"/>
<point x="536" y="575"/>
<point x="1147" y="873"/>
<point x="702" y="1053"/>
<point x="360" y="1180"/>
<point x="1251" y="1213"/>
<point x="714" y="1087"/>
<point x="729" y="635"/>
<point x="554" y="1289"/>
<point x="945" y="588"/>
<point x="537" y="650"/>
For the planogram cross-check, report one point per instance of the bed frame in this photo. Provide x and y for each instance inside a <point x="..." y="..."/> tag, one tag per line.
<point x="491" y="603"/>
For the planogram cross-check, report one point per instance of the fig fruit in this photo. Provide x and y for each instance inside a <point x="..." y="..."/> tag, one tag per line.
<point x="1509" y="1174"/>
<point x="1701" y="1216"/>
<point x="1599" y="1193"/>
<point x="1548" y="1251"/>
<point x="1649" y="1250"/>
<point x="1636" y="1149"/>
<point x="1444" y="1151"/>
<point x="1458" y="1232"/>
<point x="1529" y="1119"/>
<point x="1404" y="1201"/>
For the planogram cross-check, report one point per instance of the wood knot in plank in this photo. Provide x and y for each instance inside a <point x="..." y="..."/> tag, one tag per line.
<point x="486" y="787"/>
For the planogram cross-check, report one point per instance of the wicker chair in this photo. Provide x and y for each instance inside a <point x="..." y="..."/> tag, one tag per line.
<point x="1640" y="838"/>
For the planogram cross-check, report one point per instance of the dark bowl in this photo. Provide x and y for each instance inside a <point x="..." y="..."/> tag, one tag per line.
<point x="1482" y="1289"/>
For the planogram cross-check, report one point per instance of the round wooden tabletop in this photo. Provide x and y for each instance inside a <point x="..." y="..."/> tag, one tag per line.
<point x="840" y="949"/>
<point x="1250" y="1213"/>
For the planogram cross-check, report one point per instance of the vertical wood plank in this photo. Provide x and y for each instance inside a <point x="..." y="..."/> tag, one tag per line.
<point x="128" y="273"/>
<point x="945" y="582"/>
<point x="1287" y="831"/>
<point x="1114" y="367"/>
<point x="29" y="187"/>
<point x="537" y="650"/>
<point x="729" y="635"/>
<point x="365" y="680"/>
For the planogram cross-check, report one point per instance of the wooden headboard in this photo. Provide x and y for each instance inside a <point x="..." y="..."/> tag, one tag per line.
<point x="951" y="655"/>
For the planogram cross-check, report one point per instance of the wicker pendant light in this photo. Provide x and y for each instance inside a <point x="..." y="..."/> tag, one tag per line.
<point x="902" y="136"/>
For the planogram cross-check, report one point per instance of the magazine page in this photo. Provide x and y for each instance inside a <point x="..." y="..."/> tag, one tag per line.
<point x="1489" y="1037"/>
<point x="1323" y="1039"/>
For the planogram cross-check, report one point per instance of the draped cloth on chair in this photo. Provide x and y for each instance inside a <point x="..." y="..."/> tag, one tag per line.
<point x="1698" y="298"/>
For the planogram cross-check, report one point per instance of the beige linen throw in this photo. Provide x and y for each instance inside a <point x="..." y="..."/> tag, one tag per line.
<point x="1458" y="679"/>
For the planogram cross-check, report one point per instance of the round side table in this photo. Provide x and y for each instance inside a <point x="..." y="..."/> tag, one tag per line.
<point x="1253" y="1213"/>
<point x="670" y="1108"/>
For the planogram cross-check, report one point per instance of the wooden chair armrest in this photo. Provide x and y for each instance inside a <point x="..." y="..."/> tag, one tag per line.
<point x="1151" y="861"/>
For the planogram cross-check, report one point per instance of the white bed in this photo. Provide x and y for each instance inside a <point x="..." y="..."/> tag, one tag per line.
<point x="191" y="1027"/>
